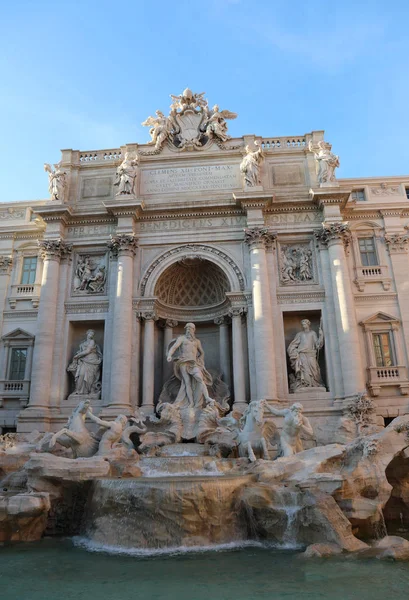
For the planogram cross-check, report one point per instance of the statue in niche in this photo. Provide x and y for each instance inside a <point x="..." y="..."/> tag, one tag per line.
<point x="89" y="277"/>
<point x="126" y="175"/>
<point x="303" y="352"/>
<point x="56" y="181"/>
<point x="250" y="166"/>
<point x="326" y="161"/>
<point x="216" y="125"/>
<point x="293" y="425"/>
<point x="188" y="356"/>
<point x="296" y="264"/>
<point x="86" y="367"/>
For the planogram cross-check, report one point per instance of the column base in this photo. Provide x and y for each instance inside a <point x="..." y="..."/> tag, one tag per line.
<point x="240" y="406"/>
<point x="32" y="418"/>
<point x="147" y="409"/>
<point x="113" y="410"/>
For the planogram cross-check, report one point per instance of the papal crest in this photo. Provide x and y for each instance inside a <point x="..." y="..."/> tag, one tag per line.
<point x="190" y="124"/>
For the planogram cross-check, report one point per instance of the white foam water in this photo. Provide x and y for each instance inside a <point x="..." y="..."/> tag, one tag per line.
<point x="152" y="472"/>
<point x="92" y="546"/>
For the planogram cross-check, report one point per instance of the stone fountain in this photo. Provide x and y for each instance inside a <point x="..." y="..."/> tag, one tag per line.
<point x="198" y="474"/>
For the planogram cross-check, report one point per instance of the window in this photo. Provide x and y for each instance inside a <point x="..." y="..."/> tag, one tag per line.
<point x="17" y="364"/>
<point x="367" y="251"/>
<point x="28" y="274"/>
<point x="358" y="195"/>
<point x="407" y="192"/>
<point x="383" y="350"/>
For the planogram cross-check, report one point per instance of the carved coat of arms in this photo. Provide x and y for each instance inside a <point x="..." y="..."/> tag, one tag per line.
<point x="190" y="124"/>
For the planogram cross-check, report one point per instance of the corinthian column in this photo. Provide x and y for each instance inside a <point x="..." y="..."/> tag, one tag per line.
<point x="148" y="368"/>
<point x="257" y="239"/>
<point x="167" y="338"/>
<point x="51" y="251"/>
<point x="224" y="348"/>
<point x="336" y="237"/>
<point x="124" y="246"/>
<point x="239" y="379"/>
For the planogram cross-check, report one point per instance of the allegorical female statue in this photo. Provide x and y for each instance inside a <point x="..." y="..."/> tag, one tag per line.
<point x="56" y="181"/>
<point x="86" y="367"/>
<point x="326" y="161"/>
<point x="126" y="175"/>
<point x="250" y="166"/>
<point x="303" y="353"/>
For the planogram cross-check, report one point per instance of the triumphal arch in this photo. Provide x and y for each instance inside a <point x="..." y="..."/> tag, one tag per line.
<point x="295" y="281"/>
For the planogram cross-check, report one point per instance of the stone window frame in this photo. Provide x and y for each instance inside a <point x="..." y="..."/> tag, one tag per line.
<point x="364" y="274"/>
<point x="25" y="291"/>
<point x="382" y="377"/>
<point x="15" y="389"/>
<point x="359" y="195"/>
<point x="96" y="252"/>
<point x="292" y="239"/>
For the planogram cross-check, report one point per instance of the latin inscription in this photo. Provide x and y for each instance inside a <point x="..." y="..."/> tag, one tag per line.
<point x="181" y="224"/>
<point x="90" y="230"/>
<point x="291" y="218"/>
<point x="190" y="179"/>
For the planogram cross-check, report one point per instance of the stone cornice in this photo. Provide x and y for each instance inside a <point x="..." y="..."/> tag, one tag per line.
<point x="328" y="196"/>
<point x="250" y="200"/>
<point x="99" y="306"/>
<point x="300" y="297"/>
<point x="331" y="232"/>
<point x="124" y="206"/>
<point x="52" y="213"/>
<point x="259" y="237"/>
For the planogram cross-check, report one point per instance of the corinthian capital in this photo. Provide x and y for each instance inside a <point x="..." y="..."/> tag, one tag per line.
<point x="397" y="242"/>
<point x="334" y="231"/>
<point x="54" y="249"/>
<point x="259" y="237"/>
<point x="123" y="243"/>
<point x="5" y="263"/>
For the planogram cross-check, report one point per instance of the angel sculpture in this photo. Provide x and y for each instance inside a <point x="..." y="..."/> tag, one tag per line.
<point x="160" y="128"/>
<point x="56" y="181"/>
<point x="216" y="125"/>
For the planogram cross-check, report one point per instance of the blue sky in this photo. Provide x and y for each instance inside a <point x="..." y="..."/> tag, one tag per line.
<point x="84" y="75"/>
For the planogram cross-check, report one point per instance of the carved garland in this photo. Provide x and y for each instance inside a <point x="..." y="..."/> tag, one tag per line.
<point x="195" y="249"/>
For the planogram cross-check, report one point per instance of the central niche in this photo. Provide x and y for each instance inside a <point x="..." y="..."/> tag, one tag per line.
<point x="192" y="282"/>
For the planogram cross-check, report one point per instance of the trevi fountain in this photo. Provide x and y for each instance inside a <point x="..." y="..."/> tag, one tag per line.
<point x="194" y="420"/>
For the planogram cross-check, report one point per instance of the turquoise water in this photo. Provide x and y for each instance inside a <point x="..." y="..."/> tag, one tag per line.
<point x="58" y="570"/>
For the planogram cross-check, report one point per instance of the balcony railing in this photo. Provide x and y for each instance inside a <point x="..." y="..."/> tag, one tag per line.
<point x="14" y="389"/>
<point x="388" y="376"/>
<point x="372" y="274"/>
<point x="25" y="291"/>
<point x="283" y="143"/>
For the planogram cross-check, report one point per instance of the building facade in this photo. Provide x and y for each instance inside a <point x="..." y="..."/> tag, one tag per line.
<point x="244" y="237"/>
